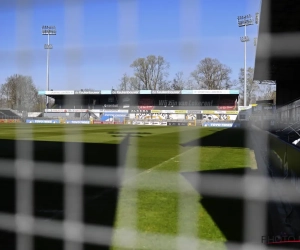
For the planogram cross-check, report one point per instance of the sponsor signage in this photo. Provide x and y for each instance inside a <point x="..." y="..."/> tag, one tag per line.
<point x="244" y="107"/>
<point x="212" y="112"/>
<point x="187" y="92"/>
<point x="88" y="92"/>
<point x="138" y="123"/>
<point x="42" y="121"/>
<point x="66" y="110"/>
<point x="160" y="123"/>
<point x="132" y="92"/>
<point x="265" y="107"/>
<point x="228" y="112"/>
<point x="153" y="92"/>
<point x="78" y="122"/>
<point x="140" y="111"/>
<point x="106" y="92"/>
<point x="125" y="111"/>
<point x="60" y="92"/>
<point x="195" y="111"/>
<point x="177" y="123"/>
<point x="145" y="92"/>
<point x="180" y="111"/>
<point x="10" y="121"/>
<point x="166" y="92"/>
<point x="148" y="123"/>
<point x="115" y="114"/>
<point x="218" y="124"/>
<point x="172" y="103"/>
<point x="155" y="111"/>
<point x="106" y="122"/>
<point x="203" y="92"/>
<point x="171" y="111"/>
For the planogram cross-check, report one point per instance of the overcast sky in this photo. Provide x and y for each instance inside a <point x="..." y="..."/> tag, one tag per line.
<point x="97" y="40"/>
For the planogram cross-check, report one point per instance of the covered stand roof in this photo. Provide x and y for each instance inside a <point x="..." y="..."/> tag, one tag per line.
<point x="278" y="39"/>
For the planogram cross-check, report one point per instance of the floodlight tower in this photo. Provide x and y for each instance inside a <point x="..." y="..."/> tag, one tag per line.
<point x="48" y="30"/>
<point x="244" y="21"/>
<point x="256" y="22"/>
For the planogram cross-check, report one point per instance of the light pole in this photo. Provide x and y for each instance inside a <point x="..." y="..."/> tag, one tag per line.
<point x="244" y="21"/>
<point x="48" y="30"/>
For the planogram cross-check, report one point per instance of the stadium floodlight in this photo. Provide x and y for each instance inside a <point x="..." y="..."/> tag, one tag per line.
<point x="244" y="21"/>
<point x="245" y="38"/>
<point x="256" y="18"/>
<point x="48" y="31"/>
<point x="255" y="41"/>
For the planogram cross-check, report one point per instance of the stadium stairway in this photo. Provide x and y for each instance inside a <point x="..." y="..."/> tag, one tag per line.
<point x="9" y="114"/>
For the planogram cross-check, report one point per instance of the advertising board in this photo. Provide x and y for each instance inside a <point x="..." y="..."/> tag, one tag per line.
<point x="177" y="123"/>
<point x="107" y="122"/>
<point x="42" y="121"/>
<point x="160" y="123"/>
<point x="60" y="92"/>
<point x="217" y="124"/>
<point x="10" y="121"/>
<point x="138" y="123"/>
<point x="78" y="122"/>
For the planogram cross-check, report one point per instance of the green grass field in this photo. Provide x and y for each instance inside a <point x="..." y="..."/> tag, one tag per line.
<point x="158" y="200"/>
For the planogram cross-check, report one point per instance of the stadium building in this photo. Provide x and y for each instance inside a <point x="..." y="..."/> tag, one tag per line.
<point x="111" y="105"/>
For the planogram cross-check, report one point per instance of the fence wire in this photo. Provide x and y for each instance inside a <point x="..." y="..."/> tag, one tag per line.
<point x="75" y="176"/>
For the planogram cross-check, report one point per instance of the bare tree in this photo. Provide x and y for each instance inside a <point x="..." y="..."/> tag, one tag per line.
<point x="267" y="92"/>
<point x="178" y="82"/>
<point x="129" y="83"/>
<point x="151" y="72"/>
<point x="19" y="92"/>
<point x="211" y="74"/>
<point x="252" y="87"/>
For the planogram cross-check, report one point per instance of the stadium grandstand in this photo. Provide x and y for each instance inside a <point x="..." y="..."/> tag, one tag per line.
<point x="145" y="107"/>
<point x="277" y="60"/>
<point x="9" y="114"/>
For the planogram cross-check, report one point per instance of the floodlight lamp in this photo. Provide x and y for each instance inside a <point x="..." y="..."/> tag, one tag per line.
<point x="256" y="18"/>
<point x="245" y="39"/>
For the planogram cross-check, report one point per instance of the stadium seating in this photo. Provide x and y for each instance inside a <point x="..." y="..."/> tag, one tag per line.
<point x="8" y="114"/>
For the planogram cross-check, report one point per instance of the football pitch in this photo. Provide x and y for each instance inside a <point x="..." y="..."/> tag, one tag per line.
<point x="157" y="199"/>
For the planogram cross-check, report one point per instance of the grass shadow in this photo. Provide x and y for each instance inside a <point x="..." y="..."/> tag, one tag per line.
<point x="231" y="137"/>
<point x="99" y="201"/>
<point x="227" y="212"/>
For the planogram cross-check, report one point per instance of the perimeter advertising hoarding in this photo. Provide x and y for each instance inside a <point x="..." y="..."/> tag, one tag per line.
<point x="42" y="121"/>
<point x="78" y="122"/>
<point x="177" y="123"/>
<point x="217" y="124"/>
<point x="148" y="123"/>
<point x="85" y="110"/>
<point x="106" y="122"/>
<point x="10" y="121"/>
